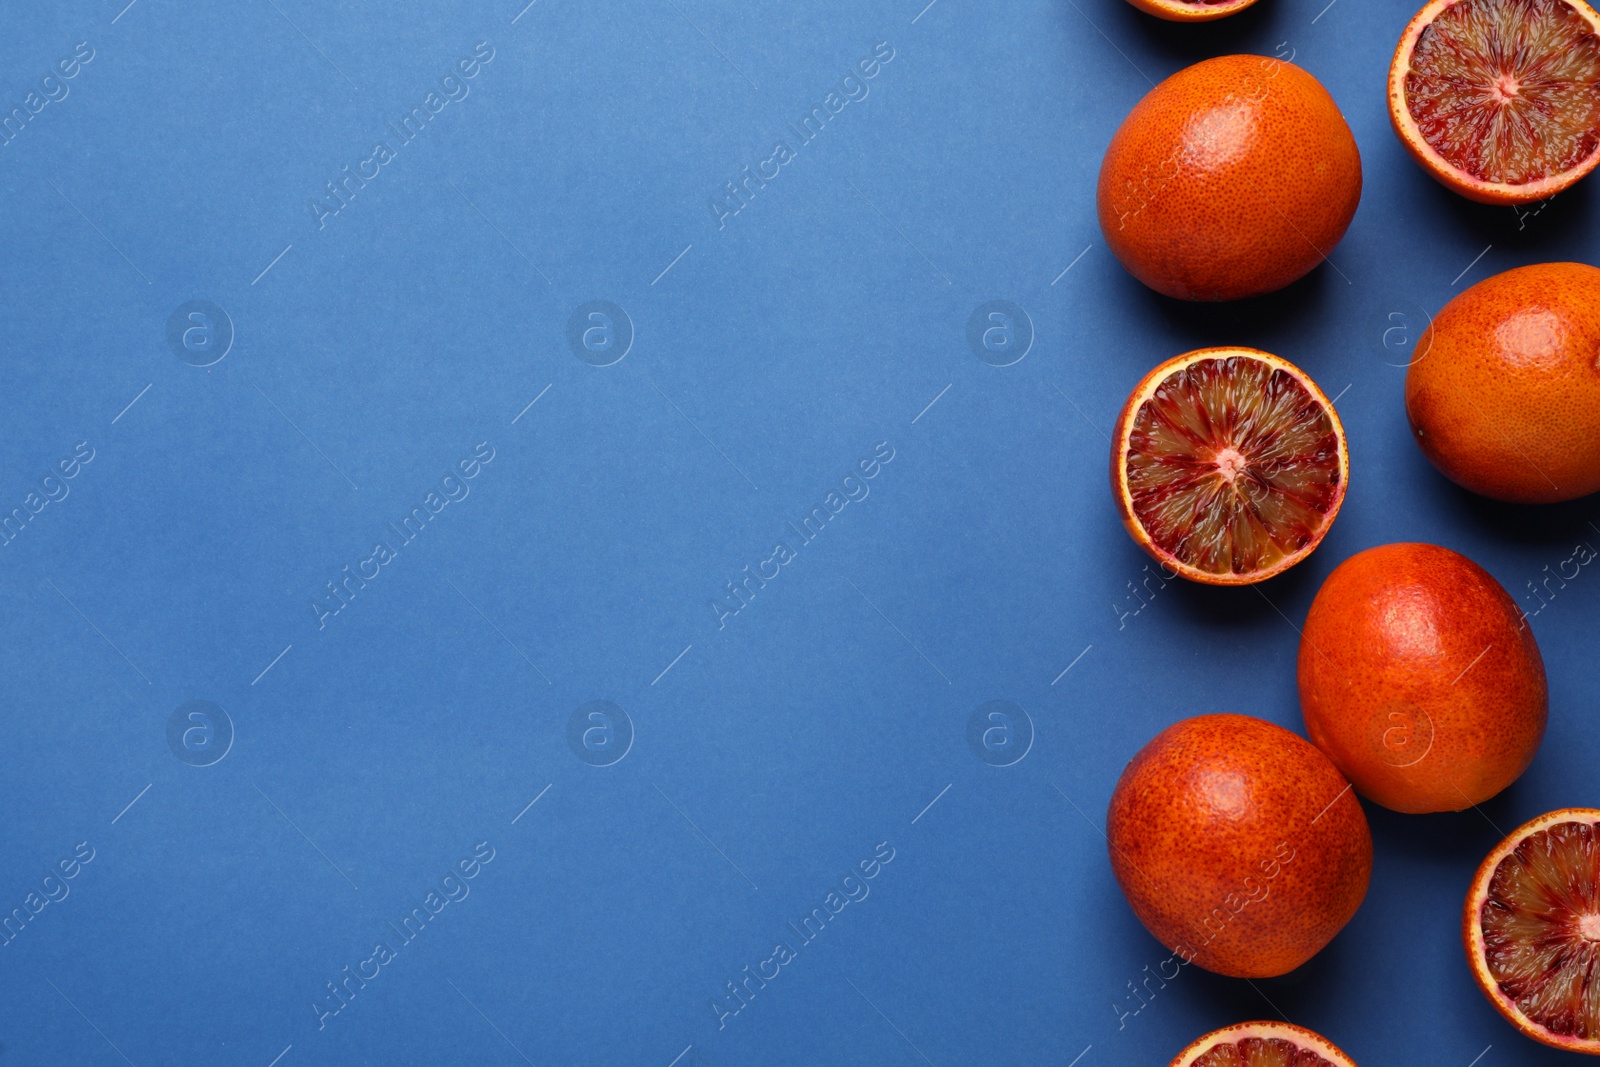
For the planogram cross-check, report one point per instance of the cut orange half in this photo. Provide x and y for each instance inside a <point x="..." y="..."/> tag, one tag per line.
<point x="1532" y="929"/>
<point x="1190" y="10"/>
<point x="1228" y="465"/>
<point x="1500" y="99"/>
<point x="1263" y="1045"/>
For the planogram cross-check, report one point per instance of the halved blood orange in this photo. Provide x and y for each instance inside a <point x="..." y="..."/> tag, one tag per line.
<point x="1532" y="929"/>
<point x="1263" y="1045"/>
<point x="1500" y="99"/>
<point x="1228" y="465"/>
<point x="1190" y="10"/>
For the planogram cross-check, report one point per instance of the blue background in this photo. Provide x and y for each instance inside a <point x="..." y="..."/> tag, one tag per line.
<point x="772" y="754"/>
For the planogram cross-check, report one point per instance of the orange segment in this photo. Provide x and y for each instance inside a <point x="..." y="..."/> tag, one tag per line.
<point x="1500" y="99"/>
<point x="1191" y="10"/>
<point x="1229" y="464"/>
<point x="1503" y="114"/>
<point x="1532" y="929"/>
<point x="1263" y="1044"/>
<point x="1260" y="1052"/>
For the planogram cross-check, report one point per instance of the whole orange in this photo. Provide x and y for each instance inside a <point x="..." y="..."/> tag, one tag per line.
<point x="1420" y="679"/>
<point x="1503" y="392"/>
<point x="1238" y="844"/>
<point x="1232" y="178"/>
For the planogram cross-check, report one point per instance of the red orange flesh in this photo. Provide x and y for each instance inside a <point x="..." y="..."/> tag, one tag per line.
<point x="1191" y="10"/>
<point x="1263" y="1044"/>
<point x="1531" y="927"/>
<point x="1228" y="465"/>
<point x="1499" y="100"/>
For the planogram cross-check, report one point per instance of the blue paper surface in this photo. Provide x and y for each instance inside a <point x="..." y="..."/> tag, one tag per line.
<point x="493" y="538"/>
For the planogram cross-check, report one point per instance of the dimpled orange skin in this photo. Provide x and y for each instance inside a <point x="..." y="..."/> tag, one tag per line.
<point x="1420" y="680"/>
<point x="1503" y="393"/>
<point x="1215" y="837"/>
<point x="1232" y="178"/>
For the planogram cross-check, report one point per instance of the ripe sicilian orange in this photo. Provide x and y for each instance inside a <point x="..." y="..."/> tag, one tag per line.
<point x="1232" y="178"/>
<point x="1191" y="10"/>
<point x="1228" y="465"/>
<point x="1263" y="1044"/>
<point x="1499" y="100"/>
<point x="1503" y="392"/>
<point x="1420" y="679"/>
<point x="1531" y="927"/>
<point x="1238" y="845"/>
